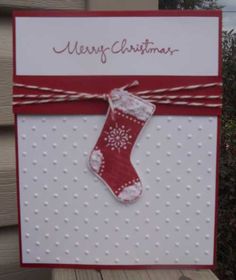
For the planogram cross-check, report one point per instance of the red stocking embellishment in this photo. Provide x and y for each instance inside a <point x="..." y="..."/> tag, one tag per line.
<point x="110" y="158"/>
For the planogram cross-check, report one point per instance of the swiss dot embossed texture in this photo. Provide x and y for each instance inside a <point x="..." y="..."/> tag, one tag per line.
<point x="68" y="216"/>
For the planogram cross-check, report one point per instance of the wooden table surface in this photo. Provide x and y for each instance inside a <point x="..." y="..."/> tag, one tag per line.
<point x="75" y="274"/>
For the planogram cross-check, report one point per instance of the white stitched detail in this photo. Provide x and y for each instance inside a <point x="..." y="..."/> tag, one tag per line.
<point x="133" y="119"/>
<point x="118" y="137"/>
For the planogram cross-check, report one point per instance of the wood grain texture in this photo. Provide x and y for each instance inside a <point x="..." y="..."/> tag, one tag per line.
<point x="8" y="210"/>
<point x="113" y="274"/>
<point x="199" y="275"/>
<point x="6" y="116"/>
<point x="76" y="274"/>
<point x="8" y="205"/>
<point x="9" y="250"/>
<point x="122" y="5"/>
<point x="164" y="274"/>
<point x="6" y="37"/>
<point x="7" y="149"/>
<point x="9" y="259"/>
<point x="63" y="274"/>
<point x="43" y="4"/>
<point x="32" y="274"/>
<point x="70" y="274"/>
<point x="137" y="275"/>
<point x="88" y="274"/>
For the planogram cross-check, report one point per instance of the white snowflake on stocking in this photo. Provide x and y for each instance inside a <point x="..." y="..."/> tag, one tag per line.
<point x="117" y="137"/>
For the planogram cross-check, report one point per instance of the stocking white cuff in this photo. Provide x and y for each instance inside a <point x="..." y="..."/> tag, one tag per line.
<point x="131" y="104"/>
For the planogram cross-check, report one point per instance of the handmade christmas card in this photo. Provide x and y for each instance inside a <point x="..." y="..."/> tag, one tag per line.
<point x="117" y="137"/>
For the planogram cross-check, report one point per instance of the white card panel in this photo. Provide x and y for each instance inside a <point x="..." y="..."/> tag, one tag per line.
<point x="68" y="216"/>
<point x="117" y="46"/>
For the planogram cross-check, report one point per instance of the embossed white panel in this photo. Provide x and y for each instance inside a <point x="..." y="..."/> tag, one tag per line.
<point x="69" y="217"/>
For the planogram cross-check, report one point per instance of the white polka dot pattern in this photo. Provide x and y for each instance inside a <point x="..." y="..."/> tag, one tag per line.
<point x="68" y="216"/>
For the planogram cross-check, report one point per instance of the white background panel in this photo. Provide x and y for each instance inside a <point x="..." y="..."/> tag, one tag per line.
<point x="68" y="216"/>
<point x="196" y="38"/>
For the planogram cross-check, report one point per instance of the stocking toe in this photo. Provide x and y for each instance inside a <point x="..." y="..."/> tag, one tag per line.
<point x="130" y="193"/>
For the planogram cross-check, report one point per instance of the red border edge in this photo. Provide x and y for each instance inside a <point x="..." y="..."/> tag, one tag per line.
<point x="220" y="45"/>
<point x="17" y="151"/>
<point x="18" y="190"/>
<point x="113" y="267"/>
<point x="217" y="189"/>
<point x="69" y="13"/>
<point x="131" y="13"/>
